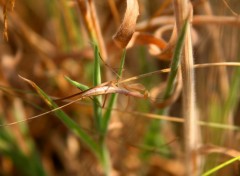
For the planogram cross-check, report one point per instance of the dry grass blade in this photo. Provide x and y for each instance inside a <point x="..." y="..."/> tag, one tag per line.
<point x="91" y="21"/>
<point x="231" y="10"/>
<point x="192" y="131"/>
<point x="5" y="14"/>
<point x="127" y="28"/>
<point x="197" y="20"/>
<point x="114" y="11"/>
<point x="5" y="23"/>
<point x="217" y="149"/>
<point x="37" y="41"/>
<point x="167" y="70"/>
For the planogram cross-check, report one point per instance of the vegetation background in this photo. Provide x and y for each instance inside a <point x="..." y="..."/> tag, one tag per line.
<point x="46" y="40"/>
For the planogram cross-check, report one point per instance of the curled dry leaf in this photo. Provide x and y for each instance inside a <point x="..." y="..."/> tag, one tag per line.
<point x="146" y="39"/>
<point x="127" y="28"/>
<point x="157" y="46"/>
<point x="167" y="51"/>
<point x="209" y="148"/>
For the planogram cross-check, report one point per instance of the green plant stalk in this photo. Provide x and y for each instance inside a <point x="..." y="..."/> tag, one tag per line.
<point x="106" y="118"/>
<point x="175" y="62"/>
<point x="107" y="114"/>
<point x="104" y="153"/>
<point x="153" y="138"/>
<point x="97" y="81"/>
<point x="104" y="157"/>
<point x="222" y="114"/>
<point x="232" y="99"/>
<point x="215" y="169"/>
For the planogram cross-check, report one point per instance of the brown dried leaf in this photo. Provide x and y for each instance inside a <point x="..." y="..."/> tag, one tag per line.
<point x="157" y="46"/>
<point x="127" y="28"/>
<point x="146" y="39"/>
<point x="209" y="148"/>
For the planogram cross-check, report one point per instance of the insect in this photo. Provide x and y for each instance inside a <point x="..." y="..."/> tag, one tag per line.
<point x="103" y="89"/>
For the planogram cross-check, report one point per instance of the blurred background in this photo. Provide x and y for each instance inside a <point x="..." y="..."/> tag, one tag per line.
<point x="46" y="40"/>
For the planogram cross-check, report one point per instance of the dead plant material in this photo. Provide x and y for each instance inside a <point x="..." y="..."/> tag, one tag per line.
<point x="114" y="11"/>
<point x="183" y="11"/>
<point x="127" y="28"/>
<point x="167" y="70"/>
<point x="5" y="14"/>
<point x="228" y="6"/>
<point x="197" y="20"/>
<point x="156" y="45"/>
<point x="91" y="22"/>
<point x="206" y="149"/>
<point x="37" y="41"/>
<point x="167" y="165"/>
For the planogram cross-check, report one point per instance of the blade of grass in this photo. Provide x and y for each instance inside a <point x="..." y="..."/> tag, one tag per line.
<point x="174" y="65"/>
<point x="104" y="153"/>
<point x="233" y="97"/>
<point x="215" y="169"/>
<point x="73" y="126"/>
<point x="97" y="81"/>
<point x="113" y="98"/>
<point x="153" y="138"/>
<point x="175" y="62"/>
<point x="183" y="10"/>
<point x="76" y="84"/>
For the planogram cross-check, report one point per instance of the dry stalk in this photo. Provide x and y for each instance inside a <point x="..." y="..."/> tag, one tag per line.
<point x="38" y="42"/>
<point x="91" y="22"/>
<point x="197" y="20"/>
<point x="97" y="28"/>
<point x="5" y="15"/>
<point x="192" y="131"/>
<point x="113" y="8"/>
<point x="218" y="53"/>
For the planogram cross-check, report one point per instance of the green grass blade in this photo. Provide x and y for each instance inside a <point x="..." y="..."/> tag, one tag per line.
<point x="76" y="84"/>
<point x="113" y="97"/>
<point x="215" y="169"/>
<point x="97" y="67"/>
<point x="73" y="126"/>
<point x="153" y="138"/>
<point x="232" y="98"/>
<point x="96" y="81"/>
<point x="175" y="61"/>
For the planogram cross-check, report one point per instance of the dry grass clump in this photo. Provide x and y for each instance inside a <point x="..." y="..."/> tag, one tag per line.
<point x="178" y="92"/>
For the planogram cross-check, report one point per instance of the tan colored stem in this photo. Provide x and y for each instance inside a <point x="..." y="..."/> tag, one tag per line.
<point x="192" y="131"/>
<point x="197" y="20"/>
<point x="91" y="22"/>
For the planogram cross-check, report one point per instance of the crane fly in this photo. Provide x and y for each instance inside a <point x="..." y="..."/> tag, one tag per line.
<point x="102" y="89"/>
